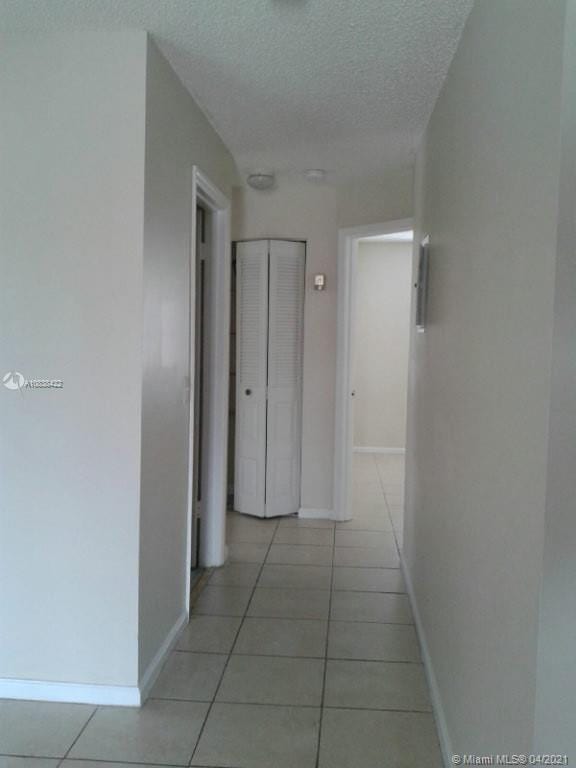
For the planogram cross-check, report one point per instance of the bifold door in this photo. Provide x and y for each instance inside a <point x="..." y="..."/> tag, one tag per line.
<point x="252" y="375"/>
<point x="270" y="305"/>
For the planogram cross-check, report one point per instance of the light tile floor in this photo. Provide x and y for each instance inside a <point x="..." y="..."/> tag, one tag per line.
<point x="300" y="653"/>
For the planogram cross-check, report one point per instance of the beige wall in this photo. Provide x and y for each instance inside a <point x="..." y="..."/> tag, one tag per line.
<point x="99" y="137"/>
<point x="72" y="149"/>
<point x="381" y="339"/>
<point x="306" y="212"/>
<point x="556" y="681"/>
<point x="298" y="209"/>
<point x="178" y="136"/>
<point x="372" y="200"/>
<point x="487" y="191"/>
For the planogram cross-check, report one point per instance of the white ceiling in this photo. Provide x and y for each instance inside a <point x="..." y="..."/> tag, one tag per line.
<point x="345" y="85"/>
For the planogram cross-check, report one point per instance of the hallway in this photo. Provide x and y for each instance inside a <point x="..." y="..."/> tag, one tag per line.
<point x="340" y="127"/>
<point x="300" y="653"/>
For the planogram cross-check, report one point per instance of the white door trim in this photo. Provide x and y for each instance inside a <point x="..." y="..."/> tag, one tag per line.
<point x="215" y="436"/>
<point x="346" y="276"/>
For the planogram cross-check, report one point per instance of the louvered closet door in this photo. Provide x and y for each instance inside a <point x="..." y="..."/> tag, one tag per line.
<point x="285" y="330"/>
<point x="251" y="372"/>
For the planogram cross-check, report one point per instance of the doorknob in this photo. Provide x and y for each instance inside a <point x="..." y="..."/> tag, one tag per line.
<point x="353" y="393"/>
<point x="248" y="392"/>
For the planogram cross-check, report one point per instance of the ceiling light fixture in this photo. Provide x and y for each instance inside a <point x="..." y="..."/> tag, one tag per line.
<point x="315" y="175"/>
<point x="261" y="180"/>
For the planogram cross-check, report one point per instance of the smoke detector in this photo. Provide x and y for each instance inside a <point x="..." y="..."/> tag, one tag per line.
<point x="315" y="175"/>
<point x="261" y="180"/>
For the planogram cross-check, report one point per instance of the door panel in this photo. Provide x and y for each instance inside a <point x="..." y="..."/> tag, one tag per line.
<point x="199" y="326"/>
<point x="286" y="316"/>
<point x="251" y="372"/>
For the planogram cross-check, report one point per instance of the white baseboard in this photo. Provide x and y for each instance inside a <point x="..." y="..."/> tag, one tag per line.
<point x="86" y="693"/>
<point x="153" y="670"/>
<point x="443" y="735"/>
<point x="74" y="693"/>
<point x="379" y="449"/>
<point x="211" y="562"/>
<point x="310" y="513"/>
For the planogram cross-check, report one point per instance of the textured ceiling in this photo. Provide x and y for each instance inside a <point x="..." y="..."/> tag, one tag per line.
<point x="346" y="85"/>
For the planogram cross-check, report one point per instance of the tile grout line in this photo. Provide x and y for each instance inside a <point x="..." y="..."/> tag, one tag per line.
<point x="326" y="651"/>
<point x="383" y="491"/>
<point x="290" y="706"/>
<point x="71" y="747"/>
<point x="112" y="762"/>
<point x="308" y="618"/>
<point x="312" y="565"/>
<point x="290" y="656"/>
<point x="244" y="615"/>
<point x="309" y="565"/>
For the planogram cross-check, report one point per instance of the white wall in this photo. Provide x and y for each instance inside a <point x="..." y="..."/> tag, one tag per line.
<point x="177" y="137"/>
<point x="71" y="154"/>
<point x="381" y="340"/>
<point x="487" y="189"/>
<point x="300" y="210"/>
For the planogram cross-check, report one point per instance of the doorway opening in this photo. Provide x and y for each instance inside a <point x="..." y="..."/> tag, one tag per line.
<point x="374" y="309"/>
<point x="209" y="371"/>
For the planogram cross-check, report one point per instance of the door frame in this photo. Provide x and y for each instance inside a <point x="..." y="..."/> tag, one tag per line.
<point x="215" y="432"/>
<point x="346" y="283"/>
